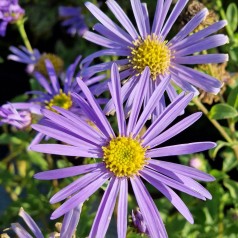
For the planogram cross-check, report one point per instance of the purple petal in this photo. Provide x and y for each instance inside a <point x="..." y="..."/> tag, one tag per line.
<point x="31" y="224"/>
<point x="139" y="16"/>
<point x="173" y="17"/>
<point x="172" y="197"/>
<point x="105" y="210"/>
<point x="181" y="149"/>
<point x="202" y="59"/>
<point x="122" y="209"/>
<point x="184" y="170"/>
<point x="140" y="92"/>
<point x="67" y="172"/>
<point x="67" y="150"/>
<point x="20" y="231"/>
<point x="148" y="209"/>
<point x="80" y="197"/>
<point x="70" y="222"/>
<point x="157" y="94"/>
<point x="122" y="18"/>
<point x="117" y="99"/>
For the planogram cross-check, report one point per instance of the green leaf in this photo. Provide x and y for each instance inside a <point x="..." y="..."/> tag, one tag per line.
<point x="233" y="98"/>
<point x="232" y="16"/>
<point x="229" y="160"/>
<point x="222" y="111"/>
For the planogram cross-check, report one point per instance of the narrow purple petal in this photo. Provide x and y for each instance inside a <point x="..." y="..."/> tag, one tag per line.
<point x="52" y="75"/>
<point x="202" y="59"/>
<point x="174" y="130"/>
<point x="117" y="99"/>
<point x="184" y="170"/>
<point x="70" y="222"/>
<point x="151" y="174"/>
<point x="43" y="82"/>
<point x="107" y="22"/>
<point x="190" y="26"/>
<point x="20" y="231"/>
<point x="140" y="92"/>
<point x="122" y="18"/>
<point x="148" y="209"/>
<point x="139" y="16"/>
<point x="204" y="44"/>
<point x="31" y="224"/>
<point x="146" y="17"/>
<point x="67" y="172"/>
<point x="157" y="17"/>
<point x="190" y="40"/>
<point x="122" y="209"/>
<point x="181" y="149"/>
<point x="198" y="79"/>
<point x="167" y="117"/>
<point x="77" y="185"/>
<point x="96" y="108"/>
<point x="67" y="150"/>
<point x="157" y="94"/>
<point x="172" y="197"/>
<point x="80" y="197"/>
<point x="105" y="210"/>
<point x="173" y="17"/>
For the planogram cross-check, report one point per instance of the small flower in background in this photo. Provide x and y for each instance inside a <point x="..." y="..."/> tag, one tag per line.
<point x="139" y="222"/>
<point x="73" y="20"/>
<point x="35" y="61"/>
<point x="150" y="48"/>
<point x="23" y="55"/>
<point x="196" y="163"/>
<point x="17" y="118"/>
<point x="10" y="12"/>
<point x="126" y="157"/>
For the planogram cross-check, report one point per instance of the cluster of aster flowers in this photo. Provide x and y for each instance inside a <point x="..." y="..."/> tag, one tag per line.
<point x="150" y="66"/>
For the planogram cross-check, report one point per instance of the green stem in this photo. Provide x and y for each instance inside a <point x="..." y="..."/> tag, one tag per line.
<point x="214" y="122"/>
<point x="22" y="31"/>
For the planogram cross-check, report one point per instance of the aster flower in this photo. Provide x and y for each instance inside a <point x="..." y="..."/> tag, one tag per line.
<point x="74" y="20"/>
<point x="149" y="46"/>
<point x="19" y="119"/>
<point x="127" y="156"/>
<point x="69" y="225"/>
<point x="23" y="55"/>
<point x="10" y="11"/>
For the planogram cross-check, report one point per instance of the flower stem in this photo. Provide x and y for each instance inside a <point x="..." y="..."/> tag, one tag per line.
<point x="214" y="122"/>
<point x="22" y="31"/>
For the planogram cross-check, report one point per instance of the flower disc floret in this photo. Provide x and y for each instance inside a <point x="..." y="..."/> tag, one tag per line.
<point x="62" y="100"/>
<point x="124" y="156"/>
<point x="151" y="52"/>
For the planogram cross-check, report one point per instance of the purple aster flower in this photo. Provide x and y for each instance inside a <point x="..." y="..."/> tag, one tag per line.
<point x="69" y="225"/>
<point x="57" y="92"/>
<point x="148" y="45"/>
<point x="10" y="11"/>
<point x="9" y="115"/>
<point x="74" y="20"/>
<point x="23" y="55"/>
<point x="126" y="156"/>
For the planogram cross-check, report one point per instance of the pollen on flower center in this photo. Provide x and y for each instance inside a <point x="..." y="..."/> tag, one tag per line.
<point x="151" y="52"/>
<point x="62" y="100"/>
<point x="124" y="156"/>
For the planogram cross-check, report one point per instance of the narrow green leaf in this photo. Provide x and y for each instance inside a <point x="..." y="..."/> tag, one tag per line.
<point x="222" y="111"/>
<point x="233" y="98"/>
<point x="232" y="16"/>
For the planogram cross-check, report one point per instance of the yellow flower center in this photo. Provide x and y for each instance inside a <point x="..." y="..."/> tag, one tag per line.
<point x="56" y="61"/>
<point x="124" y="156"/>
<point x="61" y="100"/>
<point x="151" y="52"/>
